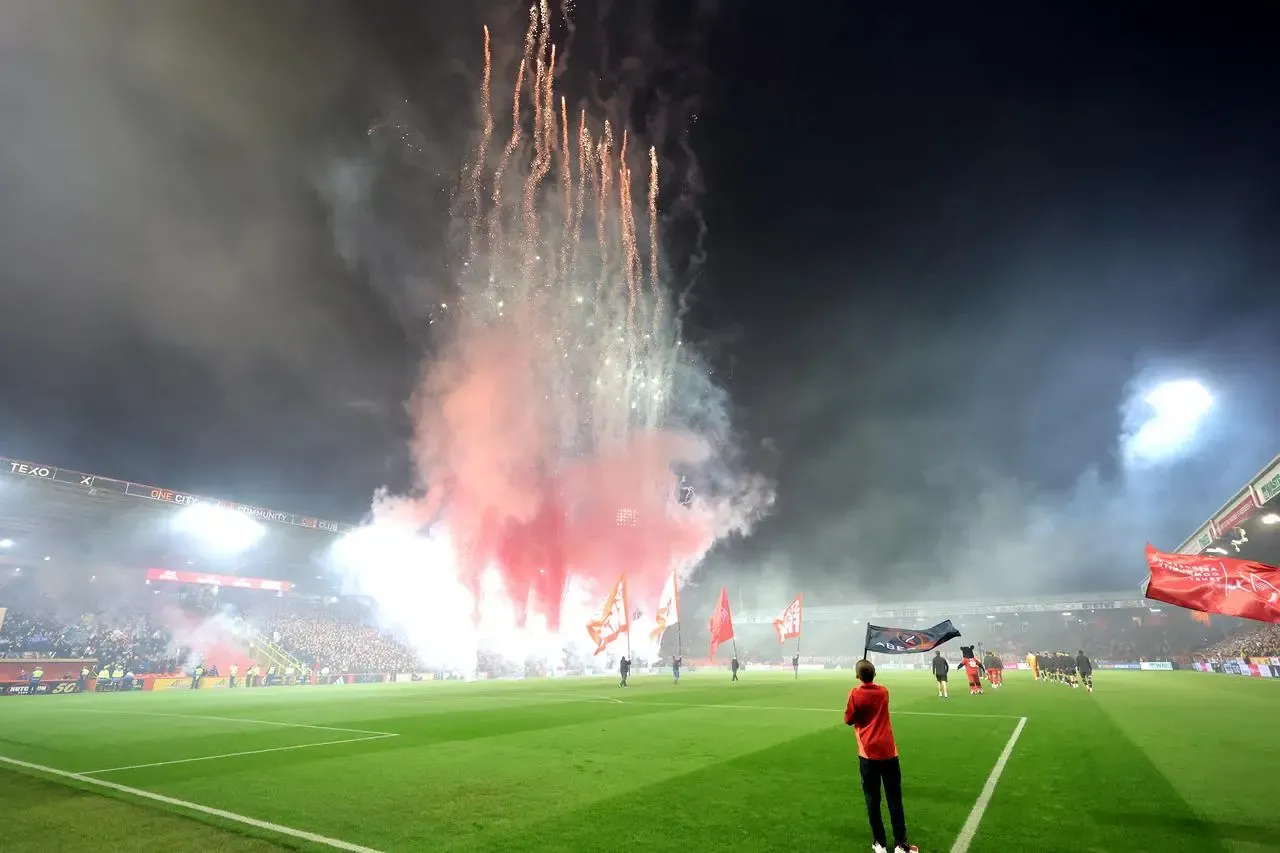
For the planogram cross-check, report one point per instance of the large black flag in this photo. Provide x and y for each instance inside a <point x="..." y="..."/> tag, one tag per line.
<point x="906" y="641"/>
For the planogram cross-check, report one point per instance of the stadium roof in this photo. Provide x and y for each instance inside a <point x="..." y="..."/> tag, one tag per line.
<point x="1247" y="525"/>
<point x="51" y="513"/>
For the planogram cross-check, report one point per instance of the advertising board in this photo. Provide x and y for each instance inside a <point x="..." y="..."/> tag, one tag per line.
<point x="44" y="688"/>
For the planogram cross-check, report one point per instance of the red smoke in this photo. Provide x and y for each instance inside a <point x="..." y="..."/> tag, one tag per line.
<point x="488" y="447"/>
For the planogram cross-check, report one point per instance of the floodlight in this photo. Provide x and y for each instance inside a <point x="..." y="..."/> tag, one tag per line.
<point x="6" y="543"/>
<point x="1270" y="518"/>
<point x="221" y="529"/>
<point x="1176" y="411"/>
<point x="1183" y="400"/>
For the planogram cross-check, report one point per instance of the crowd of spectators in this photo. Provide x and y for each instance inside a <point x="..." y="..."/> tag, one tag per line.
<point x="323" y="641"/>
<point x="1258" y="642"/>
<point x="133" y="641"/>
<point x="155" y="636"/>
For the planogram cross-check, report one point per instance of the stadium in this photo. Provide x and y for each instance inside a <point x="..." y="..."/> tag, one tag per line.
<point x="352" y="736"/>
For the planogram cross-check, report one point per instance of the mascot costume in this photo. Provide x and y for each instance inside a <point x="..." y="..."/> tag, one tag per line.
<point x="973" y="669"/>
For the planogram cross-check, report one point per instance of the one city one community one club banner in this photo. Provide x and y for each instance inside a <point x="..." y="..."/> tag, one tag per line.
<point x="907" y="641"/>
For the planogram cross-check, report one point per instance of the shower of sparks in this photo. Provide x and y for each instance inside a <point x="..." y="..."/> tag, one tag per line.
<point x="589" y="297"/>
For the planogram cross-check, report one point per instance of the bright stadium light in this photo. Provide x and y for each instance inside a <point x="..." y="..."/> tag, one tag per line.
<point x="1173" y="414"/>
<point x="220" y="529"/>
<point x="1270" y="518"/>
<point x="6" y="543"/>
<point x="1183" y="401"/>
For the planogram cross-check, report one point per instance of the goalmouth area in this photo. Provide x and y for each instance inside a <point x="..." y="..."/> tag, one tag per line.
<point x="1166" y="761"/>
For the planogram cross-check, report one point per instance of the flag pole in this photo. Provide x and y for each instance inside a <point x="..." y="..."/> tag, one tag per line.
<point x="626" y="606"/>
<point x="675" y="593"/>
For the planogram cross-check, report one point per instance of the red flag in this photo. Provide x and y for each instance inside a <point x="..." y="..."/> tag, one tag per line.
<point x="788" y="624"/>
<point x="613" y="621"/>
<point x="721" y="623"/>
<point x="1213" y="584"/>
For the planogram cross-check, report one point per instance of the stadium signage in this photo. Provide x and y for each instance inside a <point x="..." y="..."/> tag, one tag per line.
<point x="205" y="579"/>
<point x="1268" y="485"/>
<point x="94" y="482"/>
<point x="1237" y="513"/>
<point x="44" y="688"/>
<point x="1203" y="539"/>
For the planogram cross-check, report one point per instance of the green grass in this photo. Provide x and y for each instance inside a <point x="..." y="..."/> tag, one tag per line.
<point x="1152" y="761"/>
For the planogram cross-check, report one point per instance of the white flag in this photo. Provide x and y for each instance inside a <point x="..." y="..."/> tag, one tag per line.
<point x="668" y="612"/>
<point x="788" y="624"/>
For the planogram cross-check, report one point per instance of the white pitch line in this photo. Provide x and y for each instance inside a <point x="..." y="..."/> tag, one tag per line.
<point x="823" y="710"/>
<point x="234" y="754"/>
<point x="279" y="829"/>
<point x="224" y="720"/>
<point x="572" y="697"/>
<point x="970" y="828"/>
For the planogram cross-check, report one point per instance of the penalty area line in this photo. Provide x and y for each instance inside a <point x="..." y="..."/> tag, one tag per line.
<point x="970" y="828"/>
<point x="234" y="754"/>
<point x="572" y="697"/>
<point x="233" y="817"/>
<point x="223" y="720"/>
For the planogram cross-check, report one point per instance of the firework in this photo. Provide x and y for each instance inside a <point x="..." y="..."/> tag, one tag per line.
<point x="542" y="441"/>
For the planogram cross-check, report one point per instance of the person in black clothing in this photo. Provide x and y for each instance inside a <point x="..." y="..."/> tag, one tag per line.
<point x="676" y="663"/>
<point x="624" y="669"/>
<point x="940" y="670"/>
<point x="733" y="667"/>
<point x="1084" y="667"/>
<point x="795" y="664"/>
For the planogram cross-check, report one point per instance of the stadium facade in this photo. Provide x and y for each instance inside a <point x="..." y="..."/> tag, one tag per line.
<point x="1247" y="525"/>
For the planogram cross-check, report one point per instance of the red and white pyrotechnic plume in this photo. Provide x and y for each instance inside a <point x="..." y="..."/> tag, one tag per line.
<point x="544" y="445"/>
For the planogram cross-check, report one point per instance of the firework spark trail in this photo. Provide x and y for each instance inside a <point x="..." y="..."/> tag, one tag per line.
<point x="482" y="151"/>
<point x="540" y="428"/>
<point x="655" y="284"/>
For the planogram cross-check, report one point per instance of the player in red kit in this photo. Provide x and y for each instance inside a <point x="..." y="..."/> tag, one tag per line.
<point x="868" y="712"/>
<point x="973" y="669"/>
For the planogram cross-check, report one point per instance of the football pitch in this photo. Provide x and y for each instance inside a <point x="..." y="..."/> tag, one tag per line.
<point x="1152" y="761"/>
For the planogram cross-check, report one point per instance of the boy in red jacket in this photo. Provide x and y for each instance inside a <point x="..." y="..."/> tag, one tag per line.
<point x="868" y="713"/>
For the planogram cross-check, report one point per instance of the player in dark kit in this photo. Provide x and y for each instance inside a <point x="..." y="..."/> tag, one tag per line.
<point x="676" y="663"/>
<point x="940" y="670"/>
<point x="1068" y="666"/>
<point x="1084" y="666"/>
<point x="733" y="667"/>
<point x="795" y="664"/>
<point x="624" y="669"/>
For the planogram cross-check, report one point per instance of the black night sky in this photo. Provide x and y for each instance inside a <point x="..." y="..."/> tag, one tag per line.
<point x="945" y="244"/>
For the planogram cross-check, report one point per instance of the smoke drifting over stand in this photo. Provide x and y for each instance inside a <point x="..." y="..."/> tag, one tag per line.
<point x="560" y="413"/>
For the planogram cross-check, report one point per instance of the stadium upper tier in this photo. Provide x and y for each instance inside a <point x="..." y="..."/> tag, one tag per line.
<point x="1071" y="604"/>
<point x="1247" y="525"/>
<point x="104" y="523"/>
